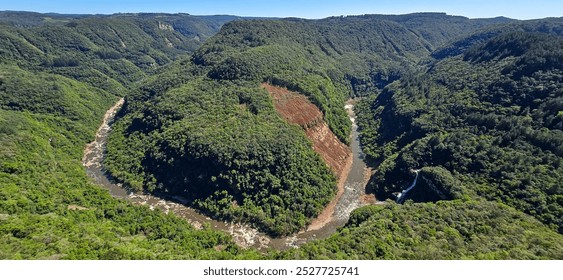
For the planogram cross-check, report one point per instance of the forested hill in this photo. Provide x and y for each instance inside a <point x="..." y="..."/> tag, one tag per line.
<point x="484" y="130"/>
<point x="438" y="28"/>
<point x="486" y="123"/>
<point x="29" y="19"/>
<point x="104" y="51"/>
<point x="462" y="43"/>
<point x="206" y="130"/>
<point x="56" y="82"/>
<point x="371" y="50"/>
<point x="203" y="26"/>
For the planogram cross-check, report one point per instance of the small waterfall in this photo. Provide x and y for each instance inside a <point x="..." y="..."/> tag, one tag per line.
<point x="402" y="196"/>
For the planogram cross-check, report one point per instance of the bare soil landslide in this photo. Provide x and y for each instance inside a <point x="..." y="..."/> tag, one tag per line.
<point x="295" y="108"/>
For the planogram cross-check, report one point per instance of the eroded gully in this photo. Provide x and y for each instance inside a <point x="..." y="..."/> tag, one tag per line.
<point x="244" y="235"/>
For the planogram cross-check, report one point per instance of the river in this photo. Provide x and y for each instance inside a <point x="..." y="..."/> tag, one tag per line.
<point x="244" y="235"/>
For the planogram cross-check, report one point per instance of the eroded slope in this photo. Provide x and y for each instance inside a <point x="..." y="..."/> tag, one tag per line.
<point x="297" y="109"/>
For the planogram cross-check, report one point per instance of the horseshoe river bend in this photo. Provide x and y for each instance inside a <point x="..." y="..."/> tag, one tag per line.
<point x="349" y="197"/>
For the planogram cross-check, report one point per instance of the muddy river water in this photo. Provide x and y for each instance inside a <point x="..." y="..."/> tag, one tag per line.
<point x="244" y="235"/>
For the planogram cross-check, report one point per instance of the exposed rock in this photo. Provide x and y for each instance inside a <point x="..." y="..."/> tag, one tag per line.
<point x="165" y="26"/>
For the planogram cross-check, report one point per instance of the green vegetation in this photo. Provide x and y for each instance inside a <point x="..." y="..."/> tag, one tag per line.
<point x="48" y="112"/>
<point x="444" y="230"/>
<point x="488" y="118"/>
<point x="104" y="51"/>
<point x="481" y="117"/>
<point x="222" y="146"/>
<point x="49" y="209"/>
<point x="205" y="130"/>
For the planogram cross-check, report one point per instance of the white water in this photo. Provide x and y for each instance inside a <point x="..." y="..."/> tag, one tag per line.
<point x="402" y="196"/>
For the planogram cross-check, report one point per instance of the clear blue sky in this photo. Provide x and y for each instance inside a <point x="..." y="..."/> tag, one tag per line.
<point x="519" y="9"/>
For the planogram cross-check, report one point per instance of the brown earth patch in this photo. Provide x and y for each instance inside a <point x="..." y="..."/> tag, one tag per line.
<point x="295" y="108"/>
<point x="368" y="199"/>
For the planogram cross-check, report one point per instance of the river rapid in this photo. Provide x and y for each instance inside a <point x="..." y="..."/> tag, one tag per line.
<point x="243" y="235"/>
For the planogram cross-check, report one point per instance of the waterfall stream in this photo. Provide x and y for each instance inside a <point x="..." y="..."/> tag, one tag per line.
<point x="402" y="196"/>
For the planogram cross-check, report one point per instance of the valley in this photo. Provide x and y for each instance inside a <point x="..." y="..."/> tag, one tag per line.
<point x="350" y="185"/>
<point x="227" y="137"/>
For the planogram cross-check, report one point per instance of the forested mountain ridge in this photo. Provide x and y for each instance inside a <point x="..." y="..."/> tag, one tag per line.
<point x="488" y="119"/>
<point x="461" y="44"/>
<point x="104" y="51"/>
<point x="29" y="19"/>
<point x="439" y="29"/>
<point x="186" y="24"/>
<point x="48" y="207"/>
<point x="206" y="130"/>
<point x="48" y="113"/>
<point x="369" y="51"/>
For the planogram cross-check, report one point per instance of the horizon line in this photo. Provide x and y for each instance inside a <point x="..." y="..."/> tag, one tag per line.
<point x="265" y="17"/>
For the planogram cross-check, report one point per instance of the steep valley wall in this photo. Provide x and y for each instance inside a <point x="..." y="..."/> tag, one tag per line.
<point x="295" y="108"/>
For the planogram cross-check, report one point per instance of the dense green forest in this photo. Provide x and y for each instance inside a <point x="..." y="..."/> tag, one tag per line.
<point x="219" y="144"/>
<point x="483" y="126"/>
<point x="109" y="52"/>
<point x="444" y="230"/>
<point x="204" y="128"/>
<point x="49" y="210"/>
<point x="489" y="119"/>
<point x="474" y="104"/>
<point x="48" y="112"/>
